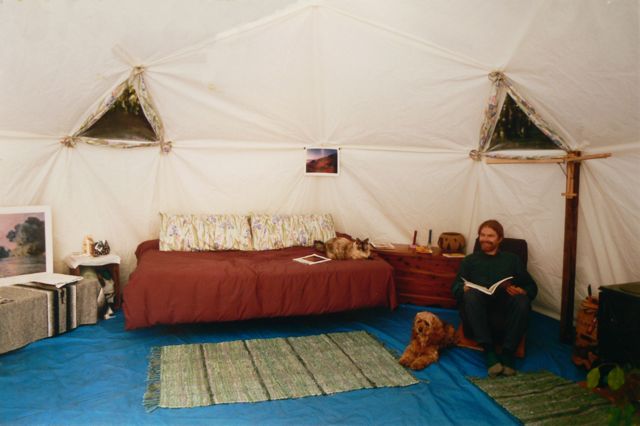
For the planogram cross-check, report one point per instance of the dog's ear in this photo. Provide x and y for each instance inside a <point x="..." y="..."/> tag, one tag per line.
<point x="450" y="337"/>
<point x="414" y="328"/>
<point x="437" y="329"/>
<point x="415" y="336"/>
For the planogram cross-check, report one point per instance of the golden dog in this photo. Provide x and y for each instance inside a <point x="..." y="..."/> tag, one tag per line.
<point x="428" y="336"/>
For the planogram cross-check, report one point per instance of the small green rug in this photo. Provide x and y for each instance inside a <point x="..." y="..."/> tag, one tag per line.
<point x="543" y="398"/>
<point x="269" y="369"/>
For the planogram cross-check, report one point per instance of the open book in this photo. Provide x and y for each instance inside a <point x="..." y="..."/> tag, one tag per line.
<point x="312" y="259"/>
<point x="484" y="289"/>
<point x="56" y="280"/>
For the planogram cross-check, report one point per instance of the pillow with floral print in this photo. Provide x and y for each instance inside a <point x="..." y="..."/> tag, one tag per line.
<point x="276" y="231"/>
<point x="204" y="232"/>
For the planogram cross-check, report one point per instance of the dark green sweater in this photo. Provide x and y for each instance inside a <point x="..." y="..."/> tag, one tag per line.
<point x="484" y="269"/>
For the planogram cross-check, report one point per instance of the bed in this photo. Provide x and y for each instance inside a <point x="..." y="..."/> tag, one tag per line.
<point x="172" y="287"/>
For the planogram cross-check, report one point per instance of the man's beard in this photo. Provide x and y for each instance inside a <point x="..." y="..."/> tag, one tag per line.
<point x="488" y="246"/>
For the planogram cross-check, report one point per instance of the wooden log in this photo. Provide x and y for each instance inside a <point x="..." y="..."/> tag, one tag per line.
<point x="493" y="160"/>
<point x="564" y="159"/>
<point x="570" y="246"/>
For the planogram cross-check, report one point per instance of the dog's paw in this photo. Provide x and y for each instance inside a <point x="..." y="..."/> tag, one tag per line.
<point x="405" y="360"/>
<point x="418" y="364"/>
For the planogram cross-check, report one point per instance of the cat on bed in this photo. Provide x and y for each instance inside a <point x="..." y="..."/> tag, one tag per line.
<point x="340" y="248"/>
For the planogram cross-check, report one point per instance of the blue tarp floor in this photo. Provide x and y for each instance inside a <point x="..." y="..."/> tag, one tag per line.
<point x="97" y="375"/>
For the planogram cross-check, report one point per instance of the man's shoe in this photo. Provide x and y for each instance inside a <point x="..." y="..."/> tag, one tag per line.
<point x="508" y="363"/>
<point x="509" y="371"/>
<point x="495" y="370"/>
<point x="494" y="366"/>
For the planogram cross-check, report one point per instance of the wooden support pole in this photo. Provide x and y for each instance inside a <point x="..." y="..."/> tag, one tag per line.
<point x="550" y="160"/>
<point x="570" y="246"/>
<point x="587" y="157"/>
<point x="564" y="159"/>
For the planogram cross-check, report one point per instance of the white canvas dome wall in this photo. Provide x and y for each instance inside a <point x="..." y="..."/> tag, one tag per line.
<point x="242" y="87"/>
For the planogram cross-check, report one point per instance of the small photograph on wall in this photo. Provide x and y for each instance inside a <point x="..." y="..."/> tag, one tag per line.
<point x="322" y="162"/>
<point x="25" y="243"/>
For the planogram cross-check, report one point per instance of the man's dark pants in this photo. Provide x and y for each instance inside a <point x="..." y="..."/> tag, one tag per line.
<point x="495" y="319"/>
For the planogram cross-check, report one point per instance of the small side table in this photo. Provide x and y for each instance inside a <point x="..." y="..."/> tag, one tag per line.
<point x="110" y="262"/>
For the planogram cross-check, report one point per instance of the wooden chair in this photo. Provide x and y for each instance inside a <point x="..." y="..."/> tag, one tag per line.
<point x="518" y="247"/>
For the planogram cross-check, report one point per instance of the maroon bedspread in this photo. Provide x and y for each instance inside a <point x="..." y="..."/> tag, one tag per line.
<point x="185" y="287"/>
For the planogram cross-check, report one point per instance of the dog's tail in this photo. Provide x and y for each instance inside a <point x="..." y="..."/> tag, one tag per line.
<point x="320" y="246"/>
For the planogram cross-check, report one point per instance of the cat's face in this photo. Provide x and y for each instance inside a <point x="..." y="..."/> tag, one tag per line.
<point x="363" y="246"/>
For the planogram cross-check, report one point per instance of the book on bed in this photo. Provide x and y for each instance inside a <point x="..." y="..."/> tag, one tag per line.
<point x="312" y="259"/>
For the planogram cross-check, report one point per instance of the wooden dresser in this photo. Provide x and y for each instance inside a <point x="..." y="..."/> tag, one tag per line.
<point x="422" y="279"/>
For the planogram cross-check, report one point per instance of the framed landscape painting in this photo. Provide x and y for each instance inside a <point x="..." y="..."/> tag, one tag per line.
<point x="25" y="243"/>
<point x="322" y="162"/>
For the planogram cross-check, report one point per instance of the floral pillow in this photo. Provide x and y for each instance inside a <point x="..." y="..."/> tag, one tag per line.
<point x="203" y="232"/>
<point x="275" y="231"/>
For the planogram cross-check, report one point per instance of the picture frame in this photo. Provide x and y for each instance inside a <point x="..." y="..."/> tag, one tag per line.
<point x="26" y="246"/>
<point x="321" y="161"/>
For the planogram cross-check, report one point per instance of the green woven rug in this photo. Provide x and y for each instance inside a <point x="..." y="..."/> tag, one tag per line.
<point x="269" y="369"/>
<point x="543" y="398"/>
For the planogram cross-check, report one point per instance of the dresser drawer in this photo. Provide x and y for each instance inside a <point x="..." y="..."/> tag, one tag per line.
<point x="420" y="291"/>
<point x="424" y="263"/>
<point x="422" y="279"/>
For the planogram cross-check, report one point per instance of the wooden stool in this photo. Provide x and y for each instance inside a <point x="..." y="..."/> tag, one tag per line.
<point x="110" y="262"/>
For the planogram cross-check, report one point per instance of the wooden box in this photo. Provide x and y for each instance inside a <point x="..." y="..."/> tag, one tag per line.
<point x="422" y="279"/>
<point x="619" y="323"/>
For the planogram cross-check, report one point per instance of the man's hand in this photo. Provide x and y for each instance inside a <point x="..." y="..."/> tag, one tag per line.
<point x="514" y="290"/>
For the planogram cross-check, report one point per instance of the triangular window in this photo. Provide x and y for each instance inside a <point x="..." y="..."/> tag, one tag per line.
<point x="124" y="120"/>
<point x="514" y="130"/>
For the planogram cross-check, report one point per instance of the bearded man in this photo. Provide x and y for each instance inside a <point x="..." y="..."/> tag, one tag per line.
<point x="503" y="315"/>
